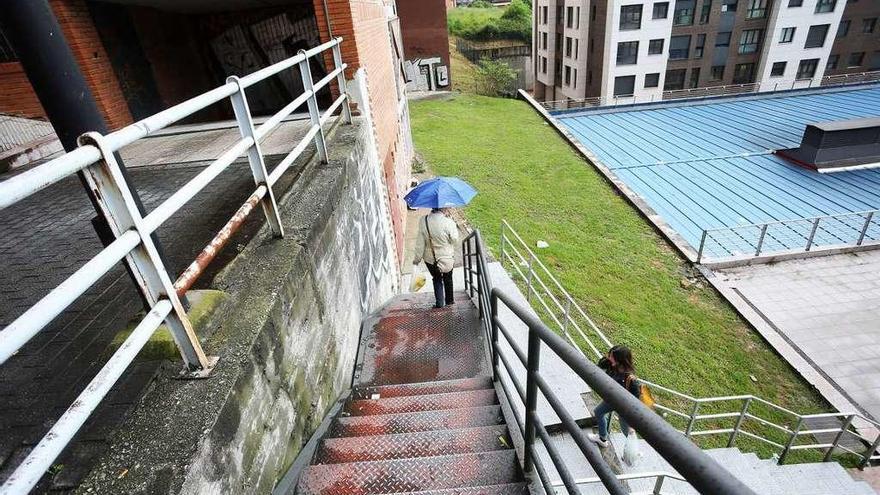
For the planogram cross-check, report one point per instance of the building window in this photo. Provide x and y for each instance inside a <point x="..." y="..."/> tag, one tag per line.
<point x="559" y="14"/>
<point x="707" y="10"/>
<point x="816" y="36"/>
<point x="832" y="62"/>
<point x="655" y="47"/>
<point x="855" y="59"/>
<point x="593" y="13"/>
<point x="698" y="48"/>
<point x="576" y="46"/>
<point x="679" y="47"/>
<point x="674" y="79"/>
<point x="729" y="6"/>
<point x="807" y="68"/>
<point x="868" y="25"/>
<point x="630" y="17"/>
<point x="684" y="13"/>
<point x="750" y="40"/>
<point x="757" y="9"/>
<point x="569" y="17"/>
<point x="695" y="78"/>
<point x="652" y="80"/>
<point x="627" y="53"/>
<point x="778" y="69"/>
<point x="558" y="45"/>
<point x="577" y="20"/>
<point x="874" y="62"/>
<point x="787" y="35"/>
<point x="661" y="10"/>
<point x="723" y="39"/>
<point x="624" y="85"/>
<point x="825" y="6"/>
<point x="568" y="46"/>
<point x="574" y="78"/>
<point x="544" y="40"/>
<point x="544" y="14"/>
<point x="744" y="73"/>
<point x="795" y="3"/>
<point x="544" y="65"/>
<point x="567" y="75"/>
<point x="843" y="29"/>
<point x="717" y="72"/>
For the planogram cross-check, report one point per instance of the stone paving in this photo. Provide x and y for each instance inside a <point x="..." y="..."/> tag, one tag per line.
<point x="827" y="310"/>
<point x="46" y="237"/>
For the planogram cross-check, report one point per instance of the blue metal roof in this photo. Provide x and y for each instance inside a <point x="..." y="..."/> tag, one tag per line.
<point x="708" y="164"/>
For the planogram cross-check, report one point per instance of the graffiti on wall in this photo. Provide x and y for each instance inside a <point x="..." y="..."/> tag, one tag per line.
<point x="426" y="74"/>
<point x="249" y="45"/>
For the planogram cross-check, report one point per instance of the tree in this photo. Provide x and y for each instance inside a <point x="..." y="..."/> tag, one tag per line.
<point x="495" y="78"/>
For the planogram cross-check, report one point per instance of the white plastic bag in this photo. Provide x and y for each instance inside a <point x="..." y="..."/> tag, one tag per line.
<point x="631" y="449"/>
<point x="418" y="278"/>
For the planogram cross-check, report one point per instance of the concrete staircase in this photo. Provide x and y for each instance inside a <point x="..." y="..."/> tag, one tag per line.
<point x="764" y="476"/>
<point x="424" y="417"/>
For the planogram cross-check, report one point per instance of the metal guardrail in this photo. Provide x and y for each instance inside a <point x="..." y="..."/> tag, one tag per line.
<point x="133" y="242"/>
<point x="695" y="466"/>
<point x="741" y="242"/>
<point x="710" y="91"/>
<point x="731" y="416"/>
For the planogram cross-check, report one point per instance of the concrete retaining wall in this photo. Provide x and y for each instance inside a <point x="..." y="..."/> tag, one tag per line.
<point x="287" y="341"/>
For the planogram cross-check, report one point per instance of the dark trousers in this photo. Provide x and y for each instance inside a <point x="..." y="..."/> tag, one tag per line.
<point x="442" y="282"/>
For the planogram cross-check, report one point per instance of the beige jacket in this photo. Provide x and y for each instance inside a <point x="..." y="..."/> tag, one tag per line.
<point x="444" y="234"/>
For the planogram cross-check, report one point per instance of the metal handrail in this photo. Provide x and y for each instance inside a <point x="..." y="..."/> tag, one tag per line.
<point x="858" y="234"/>
<point x="695" y="465"/>
<point x="95" y="156"/>
<point x="531" y="270"/>
<point x="711" y="91"/>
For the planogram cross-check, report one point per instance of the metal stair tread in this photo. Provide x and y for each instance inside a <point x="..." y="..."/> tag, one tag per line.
<point x="423" y="388"/>
<point x="416" y="444"/>
<point x="451" y="400"/>
<point x="521" y="488"/>
<point x="411" y="474"/>
<point x="443" y="419"/>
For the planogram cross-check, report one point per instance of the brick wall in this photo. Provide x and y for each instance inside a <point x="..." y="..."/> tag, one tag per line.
<point x="423" y="25"/>
<point x="18" y="96"/>
<point x="81" y="35"/>
<point x="363" y="25"/>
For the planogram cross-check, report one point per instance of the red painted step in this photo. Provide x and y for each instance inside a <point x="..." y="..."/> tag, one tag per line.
<point x="411" y="475"/>
<point x="506" y="489"/>
<point x="424" y="388"/>
<point x="418" y="444"/>
<point x="386" y="424"/>
<point x="453" y="400"/>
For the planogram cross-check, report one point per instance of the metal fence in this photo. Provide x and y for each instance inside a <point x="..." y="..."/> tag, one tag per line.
<point x="133" y="243"/>
<point x="695" y="465"/>
<point x="725" y="417"/>
<point x="743" y="242"/>
<point x="710" y="91"/>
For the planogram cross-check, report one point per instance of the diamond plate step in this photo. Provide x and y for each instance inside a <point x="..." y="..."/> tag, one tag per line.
<point x="411" y="475"/>
<point x="425" y="388"/>
<point x="419" y="444"/>
<point x="506" y="489"/>
<point x="391" y="405"/>
<point x="386" y="424"/>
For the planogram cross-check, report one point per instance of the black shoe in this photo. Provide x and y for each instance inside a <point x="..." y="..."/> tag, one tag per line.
<point x="437" y="306"/>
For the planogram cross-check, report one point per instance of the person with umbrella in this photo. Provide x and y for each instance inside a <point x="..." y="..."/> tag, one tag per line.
<point x="438" y="234"/>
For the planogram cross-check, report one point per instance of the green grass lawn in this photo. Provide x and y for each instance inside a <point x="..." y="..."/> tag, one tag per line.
<point x="601" y="249"/>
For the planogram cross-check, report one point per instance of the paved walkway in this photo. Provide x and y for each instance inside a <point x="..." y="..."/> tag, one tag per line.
<point x="47" y="237"/>
<point x="824" y="314"/>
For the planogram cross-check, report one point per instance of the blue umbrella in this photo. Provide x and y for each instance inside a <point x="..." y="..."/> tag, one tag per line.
<point x="440" y="192"/>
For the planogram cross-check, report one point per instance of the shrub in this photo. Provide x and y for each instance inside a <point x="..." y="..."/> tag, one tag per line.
<point x="495" y="78"/>
<point x="484" y="24"/>
<point x="481" y="4"/>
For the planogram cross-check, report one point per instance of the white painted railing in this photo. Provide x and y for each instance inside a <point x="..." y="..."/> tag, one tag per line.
<point x="741" y="415"/>
<point x="799" y="235"/>
<point x="133" y="243"/>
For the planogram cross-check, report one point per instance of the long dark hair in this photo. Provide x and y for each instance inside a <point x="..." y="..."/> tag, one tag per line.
<point x="623" y="358"/>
